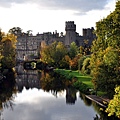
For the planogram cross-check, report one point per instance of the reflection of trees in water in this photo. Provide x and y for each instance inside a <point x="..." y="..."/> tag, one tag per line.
<point x="7" y="90"/>
<point x="51" y="81"/>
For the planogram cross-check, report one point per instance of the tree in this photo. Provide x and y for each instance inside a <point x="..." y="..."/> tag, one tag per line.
<point x="11" y="37"/>
<point x="73" y="63"/>
<point x="29" y="32"/>
<point x="105" y="58"/>
<point x="60" y="53"/>
<point x="80" y="62"/>
<point x="73" y="51"/>
<point x="81" y="50"/>
<point x="15" y="31"/>
<point x="114" y="104"/>
<point x="54" y="54"/>
<point x="86" y="64"/>
<point x="1" y="49"/>
<point x="8" y="51"/>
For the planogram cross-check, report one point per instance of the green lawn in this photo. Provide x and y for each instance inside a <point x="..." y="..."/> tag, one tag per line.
<point x="83" y="78"/>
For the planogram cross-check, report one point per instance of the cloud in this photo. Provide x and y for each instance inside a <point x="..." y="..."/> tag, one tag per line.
<point x="81" y="6"/>
<point x="48" y="108"/>
<point x="8" y="3"/>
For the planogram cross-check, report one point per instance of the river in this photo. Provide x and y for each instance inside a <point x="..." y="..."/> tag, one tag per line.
<point x="36" y="95"/>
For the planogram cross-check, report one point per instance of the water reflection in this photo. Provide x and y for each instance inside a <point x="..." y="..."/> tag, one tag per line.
<point x="27" y="78"/>
<point x="44" y="106"/>
<point x="7" y="91"/>
<point x="45" y="96"/>
<point x="51" y="81"/>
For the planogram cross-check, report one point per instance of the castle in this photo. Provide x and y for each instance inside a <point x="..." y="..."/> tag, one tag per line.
<point x="28" y="45"/>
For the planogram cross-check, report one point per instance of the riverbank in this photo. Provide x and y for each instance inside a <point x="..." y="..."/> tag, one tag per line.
<point x="85" y="85"/>
<point x="86" y="79"/>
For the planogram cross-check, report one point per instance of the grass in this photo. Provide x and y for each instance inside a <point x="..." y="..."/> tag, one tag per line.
<point x="80" y="77"/>
<point x="83" y="81"/>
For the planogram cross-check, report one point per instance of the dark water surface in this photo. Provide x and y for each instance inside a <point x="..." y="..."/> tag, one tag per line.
<point x="33" y="95"/>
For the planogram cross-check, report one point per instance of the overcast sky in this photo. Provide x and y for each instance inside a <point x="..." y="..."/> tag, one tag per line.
<point x="50" y="15"/>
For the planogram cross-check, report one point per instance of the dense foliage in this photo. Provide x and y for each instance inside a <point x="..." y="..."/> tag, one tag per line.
<point x="57" y="55"/>
<point x="114" y="105"/>
<point x="54" y="54"/>
<point x="105" y="58"/>
<point x="7" y="50"/>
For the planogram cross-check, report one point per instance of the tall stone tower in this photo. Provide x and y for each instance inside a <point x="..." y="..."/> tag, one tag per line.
<point x="70" y="29"/>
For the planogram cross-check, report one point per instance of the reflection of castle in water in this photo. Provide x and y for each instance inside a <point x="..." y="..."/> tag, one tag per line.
<point x="31" y="79"/>
<point x="27" y="78"/>
<point x="71" y="96"/>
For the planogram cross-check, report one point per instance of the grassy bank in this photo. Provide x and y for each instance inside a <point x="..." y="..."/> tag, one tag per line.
<point x="83" y="82"/>
<point x="83" y="78"/>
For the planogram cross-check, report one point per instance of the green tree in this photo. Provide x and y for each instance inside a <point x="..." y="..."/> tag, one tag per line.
<point x="86" y="64"/>
<point x="114" y="104"/>
<point x="54" y="54"/>
<point x="60" y="53"/>
<point x="73" y="51"/>
<point x="105" y="58"/>
<point x="80" y="62"/>
<point x="46" y="54"/>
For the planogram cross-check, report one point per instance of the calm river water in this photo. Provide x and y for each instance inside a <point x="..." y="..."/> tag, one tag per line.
<point x="44" y="96"/>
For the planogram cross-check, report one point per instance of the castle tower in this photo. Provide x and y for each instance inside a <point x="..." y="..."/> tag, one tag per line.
<point x="88" y="32"/>
<point x="70" y="29"/>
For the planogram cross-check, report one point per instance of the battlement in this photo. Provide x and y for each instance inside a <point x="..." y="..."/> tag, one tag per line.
<point x="70" y="26"/>
<point x="88" y="32"/>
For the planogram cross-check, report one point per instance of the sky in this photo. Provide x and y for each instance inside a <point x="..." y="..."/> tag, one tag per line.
<point x="50" y="15"/>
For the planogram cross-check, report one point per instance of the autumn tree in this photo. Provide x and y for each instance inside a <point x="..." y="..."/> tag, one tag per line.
<point x="105" y="58"/>
<point x="73" y="56"/>
<point x="9" y="45"/>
